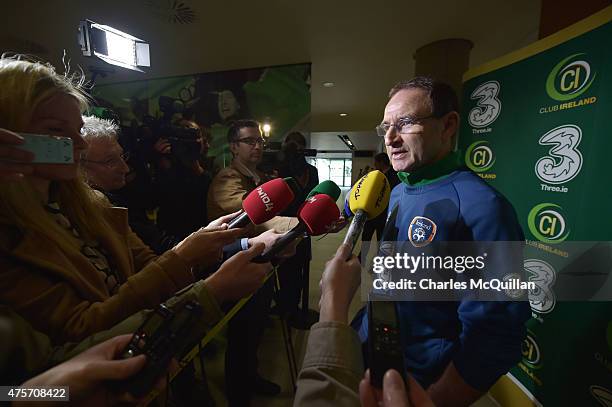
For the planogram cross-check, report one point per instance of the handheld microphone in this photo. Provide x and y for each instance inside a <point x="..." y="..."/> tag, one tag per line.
<point x="327" y="187"/>
<point x="368" y="198"/>
<point x="316" y="216"/>
<point x="264" y="202"/>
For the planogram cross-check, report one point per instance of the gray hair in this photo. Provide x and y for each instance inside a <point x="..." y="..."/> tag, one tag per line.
<point x="94" y="127"/>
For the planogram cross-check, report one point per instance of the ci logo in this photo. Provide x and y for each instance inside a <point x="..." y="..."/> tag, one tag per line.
<point x="488" y="106"/>
<point x="547" y="224"/>
<point x="421" y="231"/>
<point x="531" y="351"/>
<point x="479" y="157"/>
<point x="542" y="298"/>
<point x="570" y="78"/>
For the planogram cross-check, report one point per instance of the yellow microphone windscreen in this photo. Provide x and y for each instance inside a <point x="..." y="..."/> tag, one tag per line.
<point x="370" y="194"/>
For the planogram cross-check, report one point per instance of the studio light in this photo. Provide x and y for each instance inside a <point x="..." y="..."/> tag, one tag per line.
<point x="113" y="46"/>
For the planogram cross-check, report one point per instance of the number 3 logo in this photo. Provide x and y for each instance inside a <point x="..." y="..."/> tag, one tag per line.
<point x="564" y="160"/>
<point x="488" y="106"/>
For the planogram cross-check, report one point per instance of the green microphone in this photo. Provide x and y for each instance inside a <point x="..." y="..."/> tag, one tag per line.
<point x="328" y="188"/>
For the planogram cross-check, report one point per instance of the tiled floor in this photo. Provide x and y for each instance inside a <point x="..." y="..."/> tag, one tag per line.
<point x="272" y="356"/>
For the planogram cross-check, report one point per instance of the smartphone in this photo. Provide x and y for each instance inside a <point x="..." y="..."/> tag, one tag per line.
<point x="48" y="149"/>
<point x="385" y="350"/>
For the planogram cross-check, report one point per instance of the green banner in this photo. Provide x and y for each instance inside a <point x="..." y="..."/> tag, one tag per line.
<point x="536" y="125"/>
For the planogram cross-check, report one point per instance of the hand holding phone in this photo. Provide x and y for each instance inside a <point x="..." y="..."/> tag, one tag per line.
<point x="14" y="162"/>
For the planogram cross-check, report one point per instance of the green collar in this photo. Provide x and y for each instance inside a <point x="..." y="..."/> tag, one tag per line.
<point x="433" y="172"/>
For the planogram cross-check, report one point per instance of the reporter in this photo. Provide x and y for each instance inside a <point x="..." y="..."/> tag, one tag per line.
<point x="70" y="264"/>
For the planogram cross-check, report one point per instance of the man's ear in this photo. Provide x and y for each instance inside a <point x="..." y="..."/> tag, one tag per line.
<point x="451" y="125"/>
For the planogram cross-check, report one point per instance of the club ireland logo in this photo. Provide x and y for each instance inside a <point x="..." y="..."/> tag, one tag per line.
<point x="564" y="160"/>
<point x="547" y="223"/>
<point x="570" y="78"/>
<point x="479" y="156"/>
<point x="542" y="298"/>
<point x="421" y="231"/>
<point x="487" y="107"/>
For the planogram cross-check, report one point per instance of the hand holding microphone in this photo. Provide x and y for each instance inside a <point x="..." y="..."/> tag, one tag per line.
<point x="222" y="220"/>
<point x="204" y="246"/>
<point x="269" y="239"/>
<point x="339" y="282"/>
<point x="367" y="199"/>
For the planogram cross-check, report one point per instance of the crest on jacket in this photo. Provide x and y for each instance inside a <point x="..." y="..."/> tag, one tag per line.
<point x="421" y="231"/>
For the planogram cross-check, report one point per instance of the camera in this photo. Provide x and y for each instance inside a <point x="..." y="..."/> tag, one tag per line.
<point x="185" y="142"/>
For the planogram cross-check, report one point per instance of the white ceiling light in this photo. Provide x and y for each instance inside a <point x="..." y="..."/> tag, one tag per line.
<point x="343" y="114"/>
<point x="328" y="84"/>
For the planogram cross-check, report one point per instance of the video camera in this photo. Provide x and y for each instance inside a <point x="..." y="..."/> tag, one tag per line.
<point x="185" y="142"/>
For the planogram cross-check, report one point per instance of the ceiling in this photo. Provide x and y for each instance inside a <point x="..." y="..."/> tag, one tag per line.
<point x="364" y="47"/>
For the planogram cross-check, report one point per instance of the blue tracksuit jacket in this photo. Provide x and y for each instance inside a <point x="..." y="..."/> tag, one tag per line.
<point x="483" y="339"/>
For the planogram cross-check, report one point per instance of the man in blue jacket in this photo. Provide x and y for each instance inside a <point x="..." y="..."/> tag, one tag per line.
<point x="456" y="350"/>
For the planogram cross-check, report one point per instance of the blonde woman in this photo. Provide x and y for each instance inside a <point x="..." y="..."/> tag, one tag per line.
<point x="69" y="262"/>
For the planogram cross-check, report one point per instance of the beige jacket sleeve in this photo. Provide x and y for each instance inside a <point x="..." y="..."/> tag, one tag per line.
<point x="225" y="194"/>
<point x="56" y="307"/>
<point x="332" y="368"/>
<point x="25" y="352"/>
<point x="211" y="314"/>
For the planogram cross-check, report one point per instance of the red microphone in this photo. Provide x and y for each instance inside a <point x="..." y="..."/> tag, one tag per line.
<point x="317" y="215"/>
<point x="263" y="203"/>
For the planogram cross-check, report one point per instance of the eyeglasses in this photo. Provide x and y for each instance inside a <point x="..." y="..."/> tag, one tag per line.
<point x="112" y="162"/>
<point x="252" y="141"/>
<point x="403" y="125"/>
